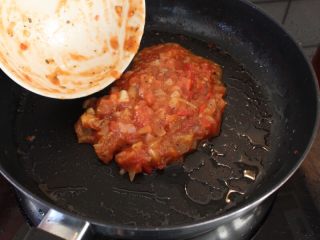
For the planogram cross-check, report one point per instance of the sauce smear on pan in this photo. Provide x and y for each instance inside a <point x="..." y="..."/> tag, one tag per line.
<point x="158" y="111"/>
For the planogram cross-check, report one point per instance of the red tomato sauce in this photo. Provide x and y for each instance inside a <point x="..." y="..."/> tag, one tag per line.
<point x="158" y="111"/>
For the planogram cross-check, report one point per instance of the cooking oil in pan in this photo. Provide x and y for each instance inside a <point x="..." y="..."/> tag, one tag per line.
<point x="230" y="165"/>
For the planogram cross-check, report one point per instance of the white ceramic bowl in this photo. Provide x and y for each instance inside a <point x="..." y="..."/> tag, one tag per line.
<point x="68" y="48"/>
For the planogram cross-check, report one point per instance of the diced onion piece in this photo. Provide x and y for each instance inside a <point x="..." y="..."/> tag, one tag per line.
<point x="169" y="82"/>
<point x="149" y="137"/>
<point x="175" y="94"/>
<point x="194" y="145"/>
<point x="156" y="62"/>
<point x="173" y="102"/>
<point x="159" y="92"/>
<point x="127" y="128"/>
<point x="88" y="119"/>
<point x="159" y="131"/>
<point x="155" y="143"/>
<point x="153" y="154"/>
<point x="153" y="150"/>
<point x="85" y="135"/>
<point x="184" y="143"/>
<point x="132" y="91"/>
<point x="161" y="113"/>
<point x="211" y="119"/>
<point x="145" y="129"/>
<point x="137" y="145"/>
<point x="187" y="102"/>
<point x="122" y="171"/>
<point x="131" y="175"/>
<point x="90" y="111"/>
<point x="124" y="97"/>
<point x="187" y="138"/>
<point x="164" y="70"/>
<point x="212" y="104"/>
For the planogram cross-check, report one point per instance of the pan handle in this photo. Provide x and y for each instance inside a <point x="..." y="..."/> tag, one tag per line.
<point x="57" y="226"/>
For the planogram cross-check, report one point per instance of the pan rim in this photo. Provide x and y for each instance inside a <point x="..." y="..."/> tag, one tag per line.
<point x="247" y="205"/>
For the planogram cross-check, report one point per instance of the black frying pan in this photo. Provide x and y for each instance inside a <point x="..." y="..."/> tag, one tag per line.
<point x="267" y="129"/>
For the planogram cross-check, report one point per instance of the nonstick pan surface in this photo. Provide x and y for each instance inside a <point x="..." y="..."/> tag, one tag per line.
<point x="266" y="130"/>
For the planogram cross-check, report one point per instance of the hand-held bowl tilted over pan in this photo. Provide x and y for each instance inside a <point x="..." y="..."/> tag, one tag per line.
<point x="68" y="49"/>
